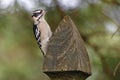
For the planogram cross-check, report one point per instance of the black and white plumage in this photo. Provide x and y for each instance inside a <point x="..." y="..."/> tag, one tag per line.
<point x="41" y="29"/>
<point x="37" y="34"/>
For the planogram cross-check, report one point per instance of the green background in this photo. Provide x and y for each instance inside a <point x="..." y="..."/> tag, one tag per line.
<point x="97" y="20"/>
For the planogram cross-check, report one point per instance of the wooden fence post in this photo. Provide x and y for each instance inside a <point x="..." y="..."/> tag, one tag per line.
<point x="66" y="58"/>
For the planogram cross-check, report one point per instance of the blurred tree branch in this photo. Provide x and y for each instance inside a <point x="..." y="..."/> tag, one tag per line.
<point x="114" y="2"/>
<point x="96" y="48"/>
<point x="59" y="9"/>
<point x="108" y="18"/>
<point x="116" y="68"/>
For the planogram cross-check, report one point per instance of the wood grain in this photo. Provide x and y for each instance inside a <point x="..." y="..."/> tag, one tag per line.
<point x="66" y="51"/>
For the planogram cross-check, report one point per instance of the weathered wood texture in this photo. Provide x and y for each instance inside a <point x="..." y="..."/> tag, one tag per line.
<point x="66" y="53"/>
<point x="70" y="75"/>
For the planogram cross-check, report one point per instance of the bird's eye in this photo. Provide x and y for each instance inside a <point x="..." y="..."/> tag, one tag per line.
<point x="36" y="14"/>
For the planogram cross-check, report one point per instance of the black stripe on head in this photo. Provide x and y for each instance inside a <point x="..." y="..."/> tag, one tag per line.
<point x="37" y="12"/>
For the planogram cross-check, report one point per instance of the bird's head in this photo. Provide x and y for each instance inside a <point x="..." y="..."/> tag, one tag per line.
<point x="38" y="15"/>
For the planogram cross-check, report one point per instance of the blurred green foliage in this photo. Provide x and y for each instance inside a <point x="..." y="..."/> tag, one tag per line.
<point x="21" y="59"/>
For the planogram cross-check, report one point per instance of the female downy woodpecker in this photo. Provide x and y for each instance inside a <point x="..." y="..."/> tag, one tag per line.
<point x="41" y="29"/>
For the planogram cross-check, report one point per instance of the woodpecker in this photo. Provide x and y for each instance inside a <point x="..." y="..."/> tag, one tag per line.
<point x="41" y="29"/>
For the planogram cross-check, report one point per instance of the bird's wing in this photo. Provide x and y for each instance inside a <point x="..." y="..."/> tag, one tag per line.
<point x="36" y="34"/>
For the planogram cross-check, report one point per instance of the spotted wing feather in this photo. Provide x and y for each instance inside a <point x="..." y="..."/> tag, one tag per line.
<point x="37" y="34"/>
